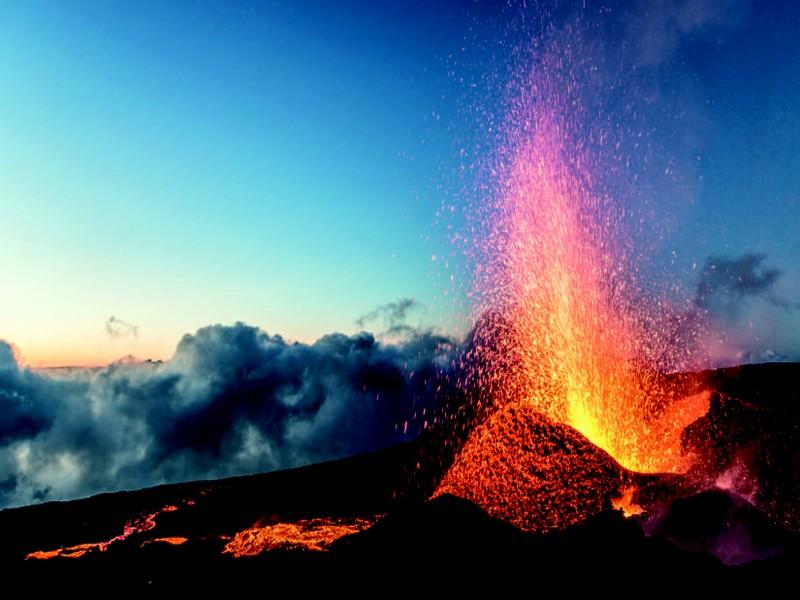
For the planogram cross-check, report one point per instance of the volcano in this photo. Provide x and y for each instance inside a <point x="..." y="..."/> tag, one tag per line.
<point x="556" y="503"/>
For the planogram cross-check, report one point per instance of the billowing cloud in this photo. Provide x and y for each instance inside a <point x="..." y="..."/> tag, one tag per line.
<point x="232" y="400"/>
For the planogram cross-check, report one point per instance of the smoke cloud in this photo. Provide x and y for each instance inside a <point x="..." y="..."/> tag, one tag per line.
<point x="752" y="319"/>
<point x="392" y="316"/>
<point x="117" y="328"/>
<point x="232" y="400"/>
<point x="659" y="27"/>
<point x="726" y="283"/>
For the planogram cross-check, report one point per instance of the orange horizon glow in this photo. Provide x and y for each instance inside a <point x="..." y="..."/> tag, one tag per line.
<point x="40" y="355"/>
<point x="64" y="358"/>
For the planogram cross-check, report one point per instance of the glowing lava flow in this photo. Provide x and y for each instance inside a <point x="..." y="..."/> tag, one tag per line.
<point x="138" y="525"/>
<point x="170" y="541"/>
<point x="315" y="535"/>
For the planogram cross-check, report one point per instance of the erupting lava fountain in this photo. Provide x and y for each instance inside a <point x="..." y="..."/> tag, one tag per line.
<point x="569" y="326"/>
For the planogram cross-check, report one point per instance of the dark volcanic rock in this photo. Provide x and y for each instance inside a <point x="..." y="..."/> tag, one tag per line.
<point x="721" y="524"/>
<point x="365" y="484"/>
<point x="750" y="438"/>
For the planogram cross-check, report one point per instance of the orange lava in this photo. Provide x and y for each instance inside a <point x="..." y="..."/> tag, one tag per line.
<point x="138" y="525"/>
<point x="625" y="503"/>
<point x="522" y="467"/>
<point x="171" y="541"/>
<point x="584" y="349"/>
<point x="313" y="535"/>
<point x="586" y="335"/>
<point x="573" y="333"/>
<point x="68" y="552"/>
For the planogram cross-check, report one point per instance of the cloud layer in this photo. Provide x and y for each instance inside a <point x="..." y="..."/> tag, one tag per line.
<point x="235" y="400"/>
<point x="232" y="400"/>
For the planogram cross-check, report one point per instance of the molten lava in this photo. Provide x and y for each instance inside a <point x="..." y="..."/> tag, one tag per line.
<point x="521" y="467"/>
<point x="569" y="326"/>
<point x="314" y="535"/>
<point x="170" y="541"/>
<point x="582" y="348"/>
<point x="586" y="336"/>
<point x="69" y="552"/>
<point x="625" y="503"/>
<point x="140" y="524"/>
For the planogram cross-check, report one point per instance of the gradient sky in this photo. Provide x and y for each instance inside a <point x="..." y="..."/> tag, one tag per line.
<point x="180" y="164"/>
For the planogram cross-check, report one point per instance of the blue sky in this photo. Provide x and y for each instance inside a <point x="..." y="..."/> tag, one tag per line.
<point x="180" y="164"/>
<point x="750" y="84"/>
